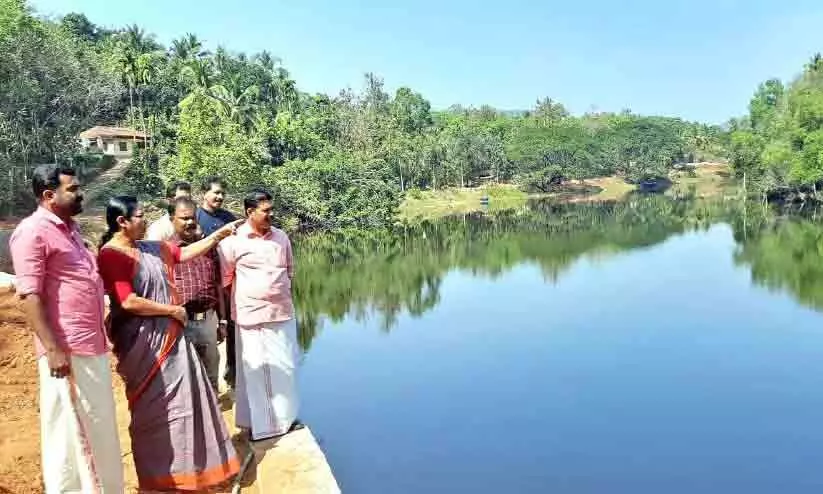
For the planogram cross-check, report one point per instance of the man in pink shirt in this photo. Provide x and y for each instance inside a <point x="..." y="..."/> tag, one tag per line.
<point x="258" y="262"/>
<point x="57" y="278"/>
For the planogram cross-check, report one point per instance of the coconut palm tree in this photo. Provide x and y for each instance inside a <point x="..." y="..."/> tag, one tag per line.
<point x="127" y="67"/>
<point x="238" y="102"/>
<point x="137" y="40"/>
<point x="187" y="48"/>
<point x="198" y="73"/>
<point x="288" y="96"/>
<point x="186" y="51"/>
<point x="265" y="60"/>
<point x="222" y="61"/>
<point x="135" y="65"/>
<point x="146" y="70"/>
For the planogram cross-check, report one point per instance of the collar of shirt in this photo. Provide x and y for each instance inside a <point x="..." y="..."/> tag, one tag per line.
<point x="45" y="213"/>
<point x="71" y="228"/>
<point x="245" y="230"/>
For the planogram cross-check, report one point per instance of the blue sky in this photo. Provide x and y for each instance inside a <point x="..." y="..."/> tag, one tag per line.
<point x="697" y="59"/>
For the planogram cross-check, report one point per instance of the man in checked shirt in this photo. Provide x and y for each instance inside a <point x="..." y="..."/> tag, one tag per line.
<point x="200" y="284"/>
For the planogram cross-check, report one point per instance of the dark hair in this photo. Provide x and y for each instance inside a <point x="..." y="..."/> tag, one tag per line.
<point x="214" y="179"/>
<point x="118" y="206"/>
<point x="181" y="201"/>
<point x="171" y="206"/>
<point x="47" y="177"/>
<point x="179" y="185"/>
<point x="255" y="197"/>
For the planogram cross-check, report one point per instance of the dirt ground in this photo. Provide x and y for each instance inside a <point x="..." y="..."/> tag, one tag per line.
<point x="19" y="413"/>
<point x="20" y="424"/>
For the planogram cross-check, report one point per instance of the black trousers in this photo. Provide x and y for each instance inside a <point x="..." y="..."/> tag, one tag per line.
<point x="231" y="358"/>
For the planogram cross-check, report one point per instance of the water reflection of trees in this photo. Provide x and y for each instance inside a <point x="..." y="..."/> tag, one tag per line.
<point x="386" y="273"/>
<point x="783" y="251"/>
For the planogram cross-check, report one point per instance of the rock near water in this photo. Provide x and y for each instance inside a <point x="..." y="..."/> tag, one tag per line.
<point x="5" y="255"/>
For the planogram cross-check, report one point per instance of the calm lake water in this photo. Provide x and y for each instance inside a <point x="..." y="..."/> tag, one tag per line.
<point x="651" y="346"/>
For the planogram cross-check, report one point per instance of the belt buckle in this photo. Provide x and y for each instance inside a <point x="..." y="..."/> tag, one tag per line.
<point x="198" y="316"/>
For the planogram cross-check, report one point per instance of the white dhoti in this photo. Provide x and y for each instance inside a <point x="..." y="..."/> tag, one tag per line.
<point x="266" y="391"/>
<point x="78" y="429"/>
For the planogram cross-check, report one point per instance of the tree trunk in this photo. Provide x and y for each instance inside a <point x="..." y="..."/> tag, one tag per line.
<point x="131" y="108"/>
<point x="131" y="102"/>
<point x="12" y="192"/>
<point x="142" y="116"/>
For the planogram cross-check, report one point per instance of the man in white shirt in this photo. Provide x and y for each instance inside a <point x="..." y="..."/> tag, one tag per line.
<point x="163" y="229"/>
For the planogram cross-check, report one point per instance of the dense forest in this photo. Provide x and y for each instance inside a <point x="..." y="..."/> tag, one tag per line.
<point x="778" y="146"/>
<point x="336" y="160"/>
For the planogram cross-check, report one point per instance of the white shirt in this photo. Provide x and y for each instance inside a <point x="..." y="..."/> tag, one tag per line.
<point x="161" y="230"/>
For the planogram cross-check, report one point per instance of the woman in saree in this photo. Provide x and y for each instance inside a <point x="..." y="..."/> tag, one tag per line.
<point x="179" y="439"/>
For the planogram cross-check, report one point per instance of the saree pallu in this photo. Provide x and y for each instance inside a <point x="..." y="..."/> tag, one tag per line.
<point x="179" y="438"/>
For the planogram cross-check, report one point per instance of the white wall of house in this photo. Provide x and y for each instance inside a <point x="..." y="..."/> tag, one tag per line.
<point x="120" y="147"/>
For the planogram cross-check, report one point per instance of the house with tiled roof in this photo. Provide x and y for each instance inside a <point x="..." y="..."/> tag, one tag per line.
<point x="114" y="141"/>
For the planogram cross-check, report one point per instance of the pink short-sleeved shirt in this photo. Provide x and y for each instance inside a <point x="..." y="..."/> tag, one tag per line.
<point x="260" y="268"/>
<point x="51" y="260"/>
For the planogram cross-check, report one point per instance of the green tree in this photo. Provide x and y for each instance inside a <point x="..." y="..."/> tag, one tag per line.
<point x="548" y="111"/>
<point x="763" y="107"/>
<point x="410" y="111"/>
<point x="209" y="143"/>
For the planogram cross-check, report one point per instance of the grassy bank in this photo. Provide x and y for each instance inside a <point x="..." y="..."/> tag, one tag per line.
<point x="706" y="180"/>
<point x="611" y="189"/>
<point x="425" y="204"/>
<point x="429" y="204"/>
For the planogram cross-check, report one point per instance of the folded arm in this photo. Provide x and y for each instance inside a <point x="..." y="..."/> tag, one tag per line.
<point x="144" y="307"/>
<point x="117" y="271"/>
